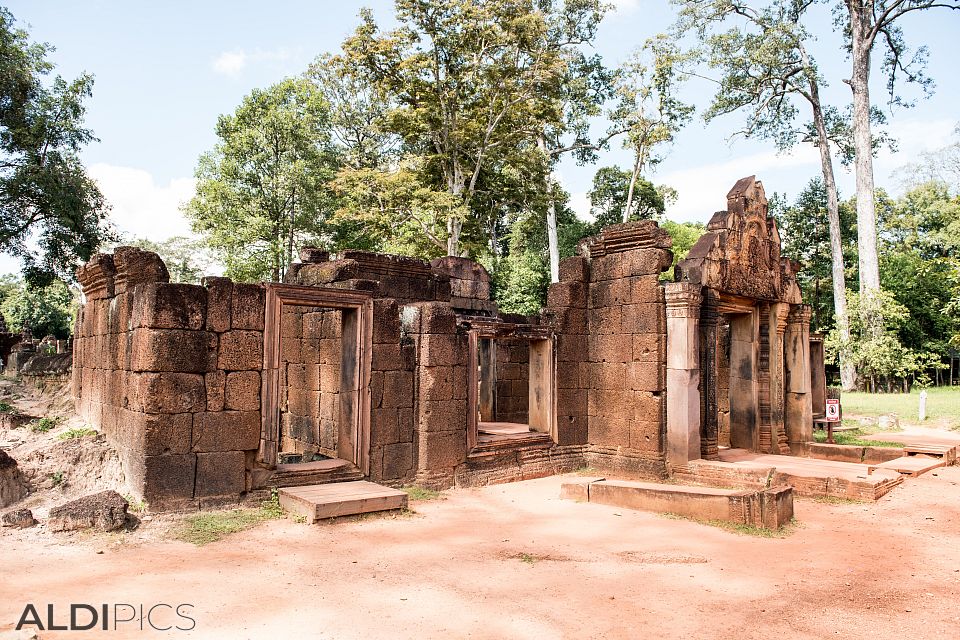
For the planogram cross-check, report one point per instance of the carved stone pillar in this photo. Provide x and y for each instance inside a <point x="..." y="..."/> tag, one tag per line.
<point x="778" y="327"/>
<point x="798" y="406"/>
<point x="709" y="317"/>
<point x="683" y="372"/>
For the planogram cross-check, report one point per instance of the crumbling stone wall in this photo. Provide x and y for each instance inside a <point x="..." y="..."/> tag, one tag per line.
<point x="174" y="374"/>
<point x="171" y="373"/>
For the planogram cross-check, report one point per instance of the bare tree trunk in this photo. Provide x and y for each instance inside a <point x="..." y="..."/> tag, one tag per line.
<point x="455" y="183"/>
<point x="860" y="22"/>
<point x="552" y="242"/>
<point x="848" y="375"/>
<point x="633" y="183"/>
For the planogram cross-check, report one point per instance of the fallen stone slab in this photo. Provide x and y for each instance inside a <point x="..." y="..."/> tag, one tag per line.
<point x="18" y="518"/>
<point x="767" y="508"/>
<point x="912" y="466"/>
<point x="13" y="486"/>
<point x="104" y="511"/>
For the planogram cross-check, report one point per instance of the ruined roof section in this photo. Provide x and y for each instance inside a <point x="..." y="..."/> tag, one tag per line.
<point x="740" y="252"/>
<point x="624" y="237"/>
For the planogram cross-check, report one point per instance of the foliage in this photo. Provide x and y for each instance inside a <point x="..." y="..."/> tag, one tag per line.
<point x="52" y="215"/>
<point x="805" y="234"/>
<point x="187" y="259"/>
<point x="855" y="438"/>
<point x="77" y="432"/>
<point x="879" y="356"/>
<point x="8" y="409"/>
<point x="648" y="108"/>
<point x="45" y="311"/>
<point x="608" y="198"/>
<point x="262" y="190"/>
<point x="45" y="424"/>
<point x="684" y="236"/>
<point x="469" y="84"/>
<point x="422" y="493"/>
<point x="205" y="528"/>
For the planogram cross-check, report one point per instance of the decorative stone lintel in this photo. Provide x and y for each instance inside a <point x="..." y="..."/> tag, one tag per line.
<point x="683" y="299"/>
<point x="783" y="311"/>
<point x="799" y="314"/>
<point x="96" y="277"/>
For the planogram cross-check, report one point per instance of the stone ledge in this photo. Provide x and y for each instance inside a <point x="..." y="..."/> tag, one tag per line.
<point x="766" y="508"/>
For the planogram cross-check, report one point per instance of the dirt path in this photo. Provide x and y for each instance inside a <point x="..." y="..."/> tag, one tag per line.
<point x="514" y="561"/>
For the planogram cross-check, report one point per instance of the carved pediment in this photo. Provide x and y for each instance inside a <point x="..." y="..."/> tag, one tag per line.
<point x="740" y="252"/>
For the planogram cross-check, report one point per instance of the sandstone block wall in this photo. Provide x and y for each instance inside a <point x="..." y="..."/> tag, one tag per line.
<point x="171" y="373"/>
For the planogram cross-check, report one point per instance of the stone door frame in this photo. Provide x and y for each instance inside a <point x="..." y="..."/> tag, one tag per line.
<point x="542" y="402"/>
<point x="356" y="344"/>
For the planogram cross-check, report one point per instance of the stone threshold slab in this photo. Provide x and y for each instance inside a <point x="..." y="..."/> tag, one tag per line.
<point x="318" y="502"/>
<point x="767" y="508"/>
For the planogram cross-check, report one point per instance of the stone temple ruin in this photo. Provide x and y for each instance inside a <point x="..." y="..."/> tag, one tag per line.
<point x="400" y="371"/>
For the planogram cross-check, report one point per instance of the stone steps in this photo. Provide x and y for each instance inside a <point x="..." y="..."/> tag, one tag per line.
<point x="331" y="500"/>
<point x="912" y="466"/>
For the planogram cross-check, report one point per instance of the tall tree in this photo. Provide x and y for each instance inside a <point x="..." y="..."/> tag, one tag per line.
<point x="580" y="92"/>
<point x="868" y="21"/>
<point x="648" y="108"/>
<point x="263" y="188"/>
<point x="609" y="192"/>
<point x="52" y="215"/>
<point x="761" y="53"/>
<point x="468" y="81"/>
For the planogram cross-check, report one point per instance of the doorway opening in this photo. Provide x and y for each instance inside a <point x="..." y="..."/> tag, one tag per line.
<point x="511" y="382"/>
<point x="316" y="416"/>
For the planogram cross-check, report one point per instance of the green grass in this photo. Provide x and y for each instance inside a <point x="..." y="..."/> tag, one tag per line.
<point x="77" y="432"/>
<point x="6" y="407"/>
<point x="836" y="500"/>
<point x="853" y="438"/>
<point x="205" y="528"/>
<point x="422" y="493"/>
<point x="943" y="403"/>
<point x="44" y="425"/>
<point x="57" y="478"/>
<point x="739" y="529"/>
<point x="137" y="505"/>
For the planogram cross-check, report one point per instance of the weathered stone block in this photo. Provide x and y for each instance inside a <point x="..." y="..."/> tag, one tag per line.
<point x="647" y="261"/>
<point x="442" y="350"/>
<point x="436" y="383"/>
<point x="567" y="294"/>
<point x="219" y="474"/>
<point x="609" y="431"/>
<point x="248" y="307"/>
<point x="397" y="460"/>
<point x="646" y="289"/>
<point x="154" y="434"/>
<point x="219" y="294"/>
<point x="645" y="376"/>
<point x="226" y="431"/>
<point x="136" y="266"/>
<point x="574" y="269"/>
<point x="215" y="383"/>
<point x="643" y="318"/>
<point x="611" y="348"/>
<point x="104" y="511"/>
<point x="648" y="347"/>
<point x="386" y="357"/>
<point x="170" y="350"/>
<point x="241" y="351"/>
<point x="243" y="390"/>
<point x="386" y="321"/>
<point x="167" y="393"/>
<point x="437" y="318"/>
<point x="169" y="306"/>
<point x="383" y="426"/>
<point x="442" y="450"/>
<point x="645" y="436"/>
<point x="397" y="389"/>
<point x="443" y="415"/>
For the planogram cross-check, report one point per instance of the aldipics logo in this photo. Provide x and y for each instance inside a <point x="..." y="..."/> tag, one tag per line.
<point x="109" y="617"/>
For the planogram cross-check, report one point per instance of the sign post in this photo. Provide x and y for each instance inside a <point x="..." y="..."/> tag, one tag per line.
<point x="832" y="416"/>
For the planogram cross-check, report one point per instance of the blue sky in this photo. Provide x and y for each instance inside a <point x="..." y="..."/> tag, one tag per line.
<point x="165" y="71"/>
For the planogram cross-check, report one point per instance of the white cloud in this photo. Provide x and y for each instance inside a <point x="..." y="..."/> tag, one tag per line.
<point x="230" y="63"/>
<point x="580" y="203"/>
<point x="140" y="207"/>
<point x="625" y="6"/>
<point x="702" y="189"/>
<point x="233" y="63"/>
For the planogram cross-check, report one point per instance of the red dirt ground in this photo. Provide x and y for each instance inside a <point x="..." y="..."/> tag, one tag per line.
<point x="514" y="561"/>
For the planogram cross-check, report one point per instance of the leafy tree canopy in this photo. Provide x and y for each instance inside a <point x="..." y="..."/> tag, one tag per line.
<point x="52" y="215"/>
<point x="43" y="310"/>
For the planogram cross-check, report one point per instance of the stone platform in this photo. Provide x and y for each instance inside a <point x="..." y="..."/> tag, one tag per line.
<point x="766" y="508"/>
<point x="912" y="466"/>
<point x="317" y="502"/>
<point x="808" y="476"/>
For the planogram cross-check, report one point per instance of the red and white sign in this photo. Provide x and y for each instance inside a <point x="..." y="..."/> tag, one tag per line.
<point x="833" y="410"/>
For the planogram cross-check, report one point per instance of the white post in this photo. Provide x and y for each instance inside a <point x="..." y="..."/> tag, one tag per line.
<point x="923" y="405"/>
